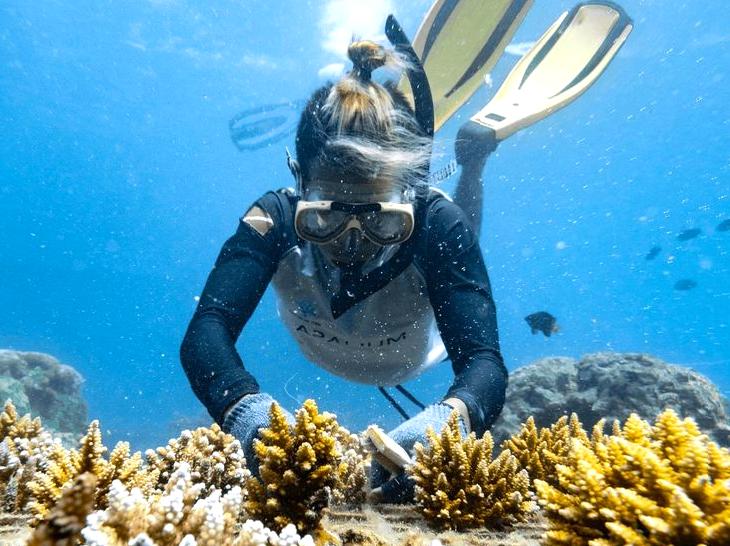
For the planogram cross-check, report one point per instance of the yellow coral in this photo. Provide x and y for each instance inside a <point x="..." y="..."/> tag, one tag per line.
<point x="62" y="526"/>
<point x="215" y="458"/>
<point x="298" y="467"/>
<point x="24" y="446"/>
<point x="459" y="486"/>
<point x="539" y="452"/>
<point x="12" y="427"/>
<point x="352" y="473"/>
<point x="64" y="466"/>
<point x="643" y="485"/>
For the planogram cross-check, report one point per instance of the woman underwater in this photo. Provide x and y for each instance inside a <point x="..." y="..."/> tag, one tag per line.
<point x="375" y="254"/>
<point x="377" y="275"/>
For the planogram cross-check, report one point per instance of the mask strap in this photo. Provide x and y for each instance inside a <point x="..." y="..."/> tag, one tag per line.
<point x="295" y="170"/>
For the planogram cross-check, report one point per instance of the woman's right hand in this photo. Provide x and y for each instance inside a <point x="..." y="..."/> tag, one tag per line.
<point x="244" y="419"/>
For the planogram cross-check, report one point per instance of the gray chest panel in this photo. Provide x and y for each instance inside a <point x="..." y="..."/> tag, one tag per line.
<point x="389" y="337"/>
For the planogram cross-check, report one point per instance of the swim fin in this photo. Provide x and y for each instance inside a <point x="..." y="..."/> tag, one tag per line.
<point x="459" y="42"/>
<point x="562" y="64"/>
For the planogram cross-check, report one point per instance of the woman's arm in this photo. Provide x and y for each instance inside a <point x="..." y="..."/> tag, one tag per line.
<point x="234" y="287"/>
<point x="461" y="297"/>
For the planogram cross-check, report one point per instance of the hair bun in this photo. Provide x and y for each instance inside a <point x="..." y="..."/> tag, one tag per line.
<point x="366" y="56"/>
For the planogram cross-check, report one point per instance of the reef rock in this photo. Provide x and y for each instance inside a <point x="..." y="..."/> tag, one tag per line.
<point x="610" y="386"/>
<point x="39" y="384"/>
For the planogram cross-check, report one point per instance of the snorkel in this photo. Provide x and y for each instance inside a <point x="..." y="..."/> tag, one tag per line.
<point x="422" y="98"/>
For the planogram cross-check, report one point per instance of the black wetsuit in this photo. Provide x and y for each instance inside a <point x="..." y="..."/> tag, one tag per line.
<point x="443" y="247"/>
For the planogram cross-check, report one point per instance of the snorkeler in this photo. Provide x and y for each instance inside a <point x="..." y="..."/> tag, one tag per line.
<point x="378" y="276"/>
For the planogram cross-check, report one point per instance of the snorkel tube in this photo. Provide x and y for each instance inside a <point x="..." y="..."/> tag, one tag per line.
<point x="422" y="99"/>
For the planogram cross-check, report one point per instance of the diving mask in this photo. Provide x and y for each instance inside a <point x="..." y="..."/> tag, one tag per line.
<point x="381" y="222"/>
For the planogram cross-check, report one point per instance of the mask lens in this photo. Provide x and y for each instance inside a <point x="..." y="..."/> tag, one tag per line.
<point x="320" y="224"/>
<point x="386" y="227"/>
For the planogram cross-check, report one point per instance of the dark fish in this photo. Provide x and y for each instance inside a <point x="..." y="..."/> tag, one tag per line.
<point x="723" y="226"/>
<point x="542" y="321"/>
<point x="685" y="284"/>
<point x="688" y="234"/>
<point x="653" y="253"/>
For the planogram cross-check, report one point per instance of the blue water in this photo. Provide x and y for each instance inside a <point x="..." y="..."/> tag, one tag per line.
<point x="119" y="184"/>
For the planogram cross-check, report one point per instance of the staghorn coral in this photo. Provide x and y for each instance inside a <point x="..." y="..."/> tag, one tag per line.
<point x="11" y="426"/>
<point x="166" y="518"/>
<point x="24" y="446"/>
<point x="63" y="466"/>
<point x="215" y="458"/>
<point x="63" y="524"/>
<point x="459" y="486"/>
<point x="351" y="487"/>
<point x="642" y="485"/>
<point x="298" y="468"/>
<point x="183" y="514"/>
<point x="539" y="452"/>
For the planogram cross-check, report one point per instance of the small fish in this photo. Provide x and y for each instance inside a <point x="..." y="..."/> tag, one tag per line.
<point x="723" y="226"/>
<point x="542" y="321"/>
<point x="653" y="253"/>
<point x="685" y="284"/>
<point x="688" y="234"/>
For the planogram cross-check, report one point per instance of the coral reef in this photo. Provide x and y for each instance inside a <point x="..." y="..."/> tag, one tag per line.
<point x="610" y="386"/>
<point x="215" y="458"/>
<point x="540" y="452"/>
<point x="643" y="485"/>
<point x="352" y="483"/>
<point x="460" y="486"/>
<point x="182" y="515"/>
<point x="63" y="525"/>
<point x="39" y="384"/>
<point x="64" y="466"/>
<point x="24" y="446"/>
<point x="299" y="466"/>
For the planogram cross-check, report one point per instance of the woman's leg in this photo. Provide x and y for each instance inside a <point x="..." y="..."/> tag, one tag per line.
<point x="474" y="143"/>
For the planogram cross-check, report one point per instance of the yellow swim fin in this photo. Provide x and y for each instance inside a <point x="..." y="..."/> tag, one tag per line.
<point x="459" y="42"/>
<point x="562" y="64"/>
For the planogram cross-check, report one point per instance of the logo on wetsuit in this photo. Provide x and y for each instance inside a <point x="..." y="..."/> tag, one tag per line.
<point x="313" y="331"/>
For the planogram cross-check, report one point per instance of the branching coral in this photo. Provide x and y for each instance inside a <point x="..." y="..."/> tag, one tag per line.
<point x="352" y="474"/>
<point x="166" y="519"/>
<point x="643" y="485"/>
<point x="64" y="466"/>
<point x="539" y="452"/>
<point x="182" y="515"/>
<point x="298" y="467"/>
<point x="459" y="486"/>
<point x="24" y="446"/>
<point x="62" y="526"/>
<point x="215" y="458"/>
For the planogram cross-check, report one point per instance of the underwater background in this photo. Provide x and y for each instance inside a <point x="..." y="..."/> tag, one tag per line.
<point x="119" y="183"/>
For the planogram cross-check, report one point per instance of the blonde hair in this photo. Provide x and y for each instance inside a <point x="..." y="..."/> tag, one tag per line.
<point x="369" y="128"/>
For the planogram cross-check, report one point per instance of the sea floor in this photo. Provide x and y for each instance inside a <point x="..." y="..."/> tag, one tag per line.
<point x="382" y="525"/>
<point x="396" y="525"/>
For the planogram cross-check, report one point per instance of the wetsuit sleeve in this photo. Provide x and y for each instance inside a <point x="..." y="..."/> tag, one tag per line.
<point x="461" y="297"/>
<point x="234" y="287"/>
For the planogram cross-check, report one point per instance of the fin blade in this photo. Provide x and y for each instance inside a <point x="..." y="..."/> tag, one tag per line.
<point x="563" y="64"/>
<point x="456" y="66"/>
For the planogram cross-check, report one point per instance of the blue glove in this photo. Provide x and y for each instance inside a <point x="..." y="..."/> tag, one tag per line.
<point x="245" y="419"/>
<point x="400" y="488"/>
